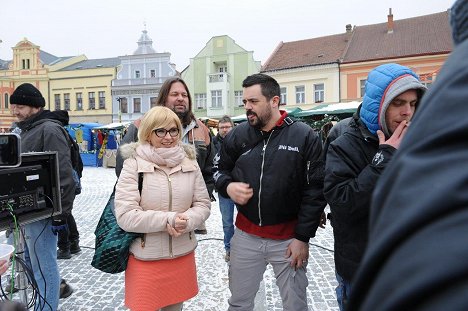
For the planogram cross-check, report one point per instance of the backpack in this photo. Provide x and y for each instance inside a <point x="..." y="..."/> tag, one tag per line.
<point x="76" y="162"/>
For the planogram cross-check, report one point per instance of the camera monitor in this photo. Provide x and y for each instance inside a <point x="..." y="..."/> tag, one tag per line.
<point x="30" y="191"/>
<point x="10" y="150"/>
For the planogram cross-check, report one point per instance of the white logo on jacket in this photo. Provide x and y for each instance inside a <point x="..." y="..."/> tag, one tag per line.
<point x="288" y="148"/>
<point x="378" y="158"/>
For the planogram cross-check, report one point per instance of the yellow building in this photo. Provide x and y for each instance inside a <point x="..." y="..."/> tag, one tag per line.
<point x="84" y="89"/>
<point x="73" y="83"/>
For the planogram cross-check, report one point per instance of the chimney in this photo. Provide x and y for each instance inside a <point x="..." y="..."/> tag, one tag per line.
<point x="348" y="28"/>
<point x="390" y="21"/>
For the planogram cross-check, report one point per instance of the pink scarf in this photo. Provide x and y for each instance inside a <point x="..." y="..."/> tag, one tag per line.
<point x="169" y="157"/>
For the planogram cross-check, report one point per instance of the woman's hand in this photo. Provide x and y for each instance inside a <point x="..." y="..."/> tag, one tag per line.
<point x="180" y="222"/>
<point x="172" y="231"/>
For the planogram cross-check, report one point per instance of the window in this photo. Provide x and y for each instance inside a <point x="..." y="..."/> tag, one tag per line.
<point x="362" y="87"/>
<point x="66" y="101"/>
<point x="137" y="105"/>
<point x="6" y="101"/>
<point x="137" y="74"/>
<point x="238" y="98"/>
<point x="26" y="64"/>
<point x="92" y="101"/>
<point x="319" y="93"/>
<point x="300" y="94"/>
<point x="283" y="95"/>
<point x="153" y="73"/>
<point x="57" y="101"/>
<point x="200" y="101"/>
<point x="426" y="79"/>
<point x="79" y="101"/>
<point x="123" y="105"/>
<point x="102" y="100"/>
<point x="216" y="99"/>
<point x="153" y="101"/>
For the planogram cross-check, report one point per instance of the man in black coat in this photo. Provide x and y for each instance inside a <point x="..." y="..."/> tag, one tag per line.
<point x="357" y="158"/>
<point x="417" y="255"/>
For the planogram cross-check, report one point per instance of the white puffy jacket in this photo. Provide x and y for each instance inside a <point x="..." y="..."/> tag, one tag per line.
<point x="165" y="192"/>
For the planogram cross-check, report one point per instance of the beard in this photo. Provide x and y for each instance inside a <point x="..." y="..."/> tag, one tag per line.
<point x="181" y="114"/>
<point x="260" y="121"/>
<point x="185" y="116"/>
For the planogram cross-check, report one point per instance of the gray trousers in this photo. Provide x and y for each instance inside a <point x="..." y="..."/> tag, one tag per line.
<point x="249" y="257"/>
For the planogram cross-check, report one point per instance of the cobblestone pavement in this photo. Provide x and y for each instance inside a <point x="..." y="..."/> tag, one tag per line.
<point x="94" y="290"/>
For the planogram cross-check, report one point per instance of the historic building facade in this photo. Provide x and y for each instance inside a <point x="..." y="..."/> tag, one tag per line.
<point x="139" y="79"/>
<point x="215" y="77"/>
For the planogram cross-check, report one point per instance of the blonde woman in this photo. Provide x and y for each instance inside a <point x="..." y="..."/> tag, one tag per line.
<point x="161" y="271"/>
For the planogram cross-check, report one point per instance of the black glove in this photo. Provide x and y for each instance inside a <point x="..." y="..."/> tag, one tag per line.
<point x="212" y="197"/>
<point x="59" y="223"/>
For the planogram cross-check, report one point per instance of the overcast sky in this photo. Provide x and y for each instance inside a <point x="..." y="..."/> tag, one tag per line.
<point x="105" y="28"/>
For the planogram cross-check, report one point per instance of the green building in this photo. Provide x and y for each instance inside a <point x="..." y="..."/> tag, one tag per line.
<point x="215" y="77"/>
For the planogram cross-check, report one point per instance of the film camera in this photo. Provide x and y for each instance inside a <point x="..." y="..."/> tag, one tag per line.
<point x="30" y="183"/>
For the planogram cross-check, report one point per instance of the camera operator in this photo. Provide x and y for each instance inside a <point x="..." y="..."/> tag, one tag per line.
<point x="40" y="133"/>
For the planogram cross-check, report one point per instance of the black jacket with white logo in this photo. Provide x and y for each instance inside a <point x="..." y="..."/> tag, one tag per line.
<point x="284" y="169"/>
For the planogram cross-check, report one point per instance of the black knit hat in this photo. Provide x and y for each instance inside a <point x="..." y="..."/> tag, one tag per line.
<point x="28" y="95"/>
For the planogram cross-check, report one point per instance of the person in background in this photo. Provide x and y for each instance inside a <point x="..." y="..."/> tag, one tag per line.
<point x="356" y="159"/>
<point x="174" y="94"/>
<point x="161" y="270"/>
<point x="416" y="256"/>
<point x="271" y="168"/>
<point x="68" y="240"/>
<point x="39" y="133"/>
<point x="226" y="205"/>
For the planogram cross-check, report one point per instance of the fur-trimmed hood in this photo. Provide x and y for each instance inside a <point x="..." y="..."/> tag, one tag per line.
<point x="128" y="150"/>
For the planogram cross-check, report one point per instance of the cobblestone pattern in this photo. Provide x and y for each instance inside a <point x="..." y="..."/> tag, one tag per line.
<point x="94" y="290"/>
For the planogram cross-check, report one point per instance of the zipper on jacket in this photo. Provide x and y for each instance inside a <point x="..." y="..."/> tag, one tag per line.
<point x="170" y="209"/>
<point x="143" y="241"/>
<point x="261" y="178"/>
<point x="307" y="172"/>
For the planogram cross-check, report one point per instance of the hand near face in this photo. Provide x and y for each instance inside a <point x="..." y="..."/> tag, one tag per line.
<point x="239" y="192"/>
<point x="396" y="137"/>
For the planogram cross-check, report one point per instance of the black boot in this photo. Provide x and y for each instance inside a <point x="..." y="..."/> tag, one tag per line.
<point x="75" y="247"/>
<point x="63" y="253"/>
<point x="65" y="289"/>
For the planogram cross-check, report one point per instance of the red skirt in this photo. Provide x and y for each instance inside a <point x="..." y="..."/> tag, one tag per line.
<point x="151" y="285"/>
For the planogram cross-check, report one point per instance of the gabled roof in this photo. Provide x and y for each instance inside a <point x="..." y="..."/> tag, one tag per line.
<point x="316" y="51"/>
<point x="49" y="59"/>
<point x="94" y="63"/>
<point x="421" y="35"/>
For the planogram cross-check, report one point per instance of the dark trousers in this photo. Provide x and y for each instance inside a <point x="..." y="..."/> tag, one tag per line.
<point x="66" y="237"/>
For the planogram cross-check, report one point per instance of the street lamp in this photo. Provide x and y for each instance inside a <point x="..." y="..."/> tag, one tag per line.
<point x="119" y="99"/>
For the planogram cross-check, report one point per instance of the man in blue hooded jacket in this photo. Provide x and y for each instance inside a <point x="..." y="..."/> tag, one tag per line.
<point x="357" y="158"/>
<point x="416" y="256"/>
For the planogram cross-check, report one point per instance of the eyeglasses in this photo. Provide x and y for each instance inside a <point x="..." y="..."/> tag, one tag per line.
<point x="225" y="127"/>
<point x="162" y="132"/>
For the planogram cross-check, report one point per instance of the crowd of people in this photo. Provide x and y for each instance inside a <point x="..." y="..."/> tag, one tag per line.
<point x="392" y="175"/>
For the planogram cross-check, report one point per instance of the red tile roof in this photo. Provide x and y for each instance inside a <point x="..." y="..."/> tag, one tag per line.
<point x="316" y="51"/>
<point x="422" y="35"/>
